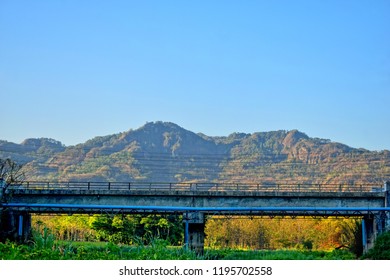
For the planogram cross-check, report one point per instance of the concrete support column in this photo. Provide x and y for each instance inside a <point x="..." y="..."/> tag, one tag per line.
<point x="2" y="190"/>
<point x="368" y="233"/>
<point x="24" y="227"/>
<point x="15" y="226"/>
<point x="194" y="224"/>
<point x="386" y="189"/>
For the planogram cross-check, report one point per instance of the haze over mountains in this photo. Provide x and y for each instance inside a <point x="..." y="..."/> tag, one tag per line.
<point x="166" y="152"/>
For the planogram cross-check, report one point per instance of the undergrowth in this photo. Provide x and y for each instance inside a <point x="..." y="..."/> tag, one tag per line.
<point x="381" y="249"/>
<point x="44" y="247"/>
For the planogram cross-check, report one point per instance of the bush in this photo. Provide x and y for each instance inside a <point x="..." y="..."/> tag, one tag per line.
<point x="381" y="249"/>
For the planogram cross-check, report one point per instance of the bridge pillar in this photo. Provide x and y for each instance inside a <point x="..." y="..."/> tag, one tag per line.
<point x="194" y="223"/>
<point x="386" y="189"/>
<point x="15" y="226"/>
<point x="368" y="233"/>
<point x="372" y="227"/>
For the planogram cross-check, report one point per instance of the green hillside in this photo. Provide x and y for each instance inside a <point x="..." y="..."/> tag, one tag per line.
<point x="165" y="152"/>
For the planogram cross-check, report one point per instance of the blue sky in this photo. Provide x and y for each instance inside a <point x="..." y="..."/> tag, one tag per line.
<point x="72" y="70"/>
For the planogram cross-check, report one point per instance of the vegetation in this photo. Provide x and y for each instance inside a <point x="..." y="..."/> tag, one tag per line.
<point x="10" y="173"/>
<point x="240" y="234"/>
<point x="117" y="229"/>
<point x="292" y="254"/>
<point x="283" y="233"/>
<point x="160" y="237"/>
<point x="47" y="249"/>
<point x="381" y="249"/>
<point x="44" y="247"/>
<point x="166" y="152"/>
<point x="135" y="229"/>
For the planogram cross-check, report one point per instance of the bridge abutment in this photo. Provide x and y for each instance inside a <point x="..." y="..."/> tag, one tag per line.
<point x="194" y="223"/>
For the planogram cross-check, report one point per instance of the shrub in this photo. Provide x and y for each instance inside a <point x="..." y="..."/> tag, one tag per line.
<point x="381" y="249"/>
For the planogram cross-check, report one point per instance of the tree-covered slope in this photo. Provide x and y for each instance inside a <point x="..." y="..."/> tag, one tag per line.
<point x="166" y="152"/>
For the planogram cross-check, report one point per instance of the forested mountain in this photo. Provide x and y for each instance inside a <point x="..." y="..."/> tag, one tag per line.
<point x="165" y="152"/>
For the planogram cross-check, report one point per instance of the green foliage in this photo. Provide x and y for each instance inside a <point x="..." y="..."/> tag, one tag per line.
<point x="381" y="249"/>
<point x="71" y="228"/>
<point x="157" y="250"/>
<point x="135" y="229"/>
<point x="44" y="247"/>
<point x="166" y="152"/>
<point x="43" y="241"/>
<point x="351" y="236"/>
<point x="244" y="233"/>
<point x="230" y="254"/>
<point x="117" y="229"/>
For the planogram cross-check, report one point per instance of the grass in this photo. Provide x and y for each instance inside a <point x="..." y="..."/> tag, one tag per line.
<point x="230" y="254"/>
<point x="157" y="250"/>
<point x="44" y="247"/>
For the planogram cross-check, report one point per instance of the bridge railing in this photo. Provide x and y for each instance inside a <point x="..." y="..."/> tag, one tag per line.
<point x="211" y="187"/>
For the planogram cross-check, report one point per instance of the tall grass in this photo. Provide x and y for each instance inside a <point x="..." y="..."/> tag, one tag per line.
<point x="228" y="254"/>
<point x="44" y="247"/>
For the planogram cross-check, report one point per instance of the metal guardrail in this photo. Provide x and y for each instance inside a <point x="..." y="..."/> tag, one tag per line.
<point x="212" y="187"/>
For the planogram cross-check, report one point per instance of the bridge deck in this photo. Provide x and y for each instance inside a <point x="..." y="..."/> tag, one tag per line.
<point x="251" y="211"/>
<point x="213" y="187"/>
<point x="208" y="198"/>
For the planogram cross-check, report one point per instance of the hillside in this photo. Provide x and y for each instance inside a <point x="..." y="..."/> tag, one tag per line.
<point x="166" y="152"/>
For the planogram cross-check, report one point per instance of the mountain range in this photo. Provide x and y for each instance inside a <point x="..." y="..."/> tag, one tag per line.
<point x="166" y="152"/>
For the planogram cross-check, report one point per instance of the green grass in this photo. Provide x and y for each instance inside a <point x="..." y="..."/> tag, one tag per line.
<point x="229" y="254"/>
<point x="157" y="250"/>
<point x="44" y="247"/>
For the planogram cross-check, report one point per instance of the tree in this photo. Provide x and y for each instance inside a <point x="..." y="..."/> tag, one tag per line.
<point x="351" y="236"/>
<point x="10" y="173"/>
<point x="132" y="229"/>
<point x="381" y="249"/>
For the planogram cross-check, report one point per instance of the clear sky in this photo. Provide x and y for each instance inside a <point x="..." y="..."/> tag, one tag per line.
<point x="71" y="70"/>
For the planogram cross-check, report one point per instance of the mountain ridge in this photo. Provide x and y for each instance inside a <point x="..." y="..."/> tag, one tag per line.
<point x="164" y="151"/>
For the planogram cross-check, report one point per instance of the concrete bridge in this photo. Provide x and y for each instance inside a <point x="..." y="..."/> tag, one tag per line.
<point x="195" y="201"/>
